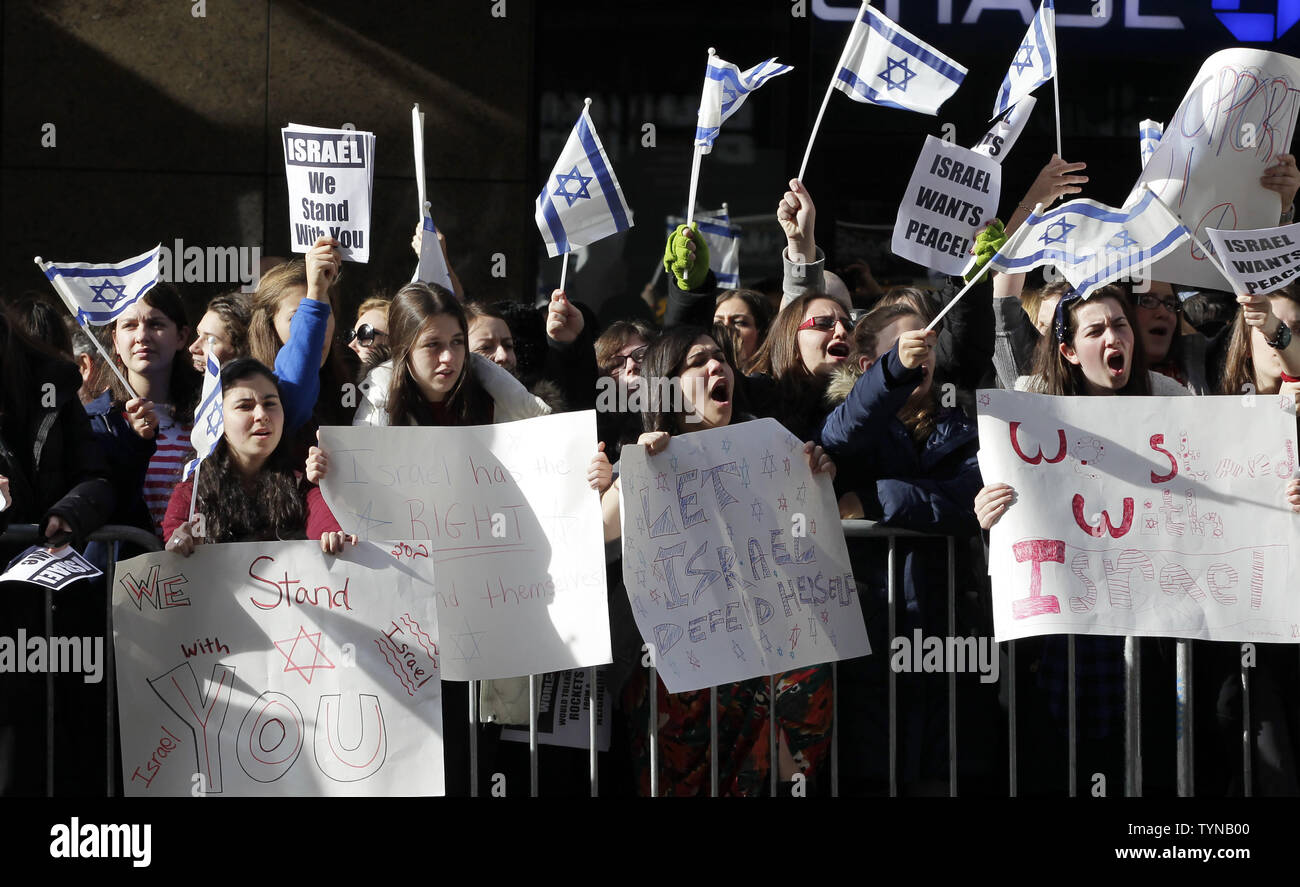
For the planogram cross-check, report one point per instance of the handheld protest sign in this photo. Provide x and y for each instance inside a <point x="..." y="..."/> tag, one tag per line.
<point x="330" y="174"/>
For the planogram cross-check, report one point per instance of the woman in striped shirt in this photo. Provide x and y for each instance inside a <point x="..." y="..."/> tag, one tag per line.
<point x="149" y="341"/>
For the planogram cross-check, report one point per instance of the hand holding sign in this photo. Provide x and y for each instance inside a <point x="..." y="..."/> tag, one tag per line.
<point x="1284" y="178"/>
<point x="1257" y="311"/>
<point x="990" y="502"/>
<point x="323" y="263"/>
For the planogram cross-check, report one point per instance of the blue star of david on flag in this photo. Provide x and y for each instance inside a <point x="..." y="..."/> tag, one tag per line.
<point x="888" y="75"/>
<point x="1024" y="57"/>
<point x="567" y="179"/>
<point x="1057" y="232"/>
<point x="209" y="421"/>
<point x="116" y="291"/>
<point x="1121" y="242"/>
<point x="725" y="89"/>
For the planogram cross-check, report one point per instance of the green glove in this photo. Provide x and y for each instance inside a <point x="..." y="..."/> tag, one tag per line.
<point x="987" y="243"/>
<point x="687" y="270"/>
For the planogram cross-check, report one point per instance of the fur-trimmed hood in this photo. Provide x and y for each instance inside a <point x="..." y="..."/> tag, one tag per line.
<point x="841" y="383"/>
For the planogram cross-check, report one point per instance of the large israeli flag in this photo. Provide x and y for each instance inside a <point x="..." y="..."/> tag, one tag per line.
<point x="725" y="89"/>
<point x="97" y="294"/>
<point x="1091" y="243"/>
<point x="209" y="421"/>
<point x="1035" y="61"/>
<point x="581" y="201"/>
<point x="885" y="65"/>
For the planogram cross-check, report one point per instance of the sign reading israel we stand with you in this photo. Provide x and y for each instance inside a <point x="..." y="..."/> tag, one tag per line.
<point x="734" y="558"/>
<point x="1143" y="516"/>
<point x="501" y="519"/>
<point x="330" y="173"/>
<point x="271" y="669"/>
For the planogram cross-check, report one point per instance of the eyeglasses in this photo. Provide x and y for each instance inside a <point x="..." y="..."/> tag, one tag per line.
<point x="826" y="323"/>
<point x="618" y="361"/>
<point x="1151" y="303"/>
<point x="364" y="334"/>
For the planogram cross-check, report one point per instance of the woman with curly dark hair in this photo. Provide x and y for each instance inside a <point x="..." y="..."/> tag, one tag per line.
<point x="250" y="488"/>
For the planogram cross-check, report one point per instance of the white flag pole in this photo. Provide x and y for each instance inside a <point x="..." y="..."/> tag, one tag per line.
<point x="94" y="340"/>
<point x="1056" y="88"/>
<point x="829" y="89"/>
<point x="695" y="160"/>
<point x="976" y="279"/>
<point x="564" y="271"/>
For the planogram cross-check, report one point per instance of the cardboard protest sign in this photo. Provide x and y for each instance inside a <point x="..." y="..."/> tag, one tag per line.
<point x="269" y="668"/>
<point x="502" y="519"/>
<point x="564" y="712"/>
<point x="330" y="173"/>
<point x="50" y="569"/>
<point x="1238" y="115"/>
<point x="734" y="558"/>
<point x="1171" y="521"/>
<point x="952" y="194"/>
<point x="1258" y="261"/>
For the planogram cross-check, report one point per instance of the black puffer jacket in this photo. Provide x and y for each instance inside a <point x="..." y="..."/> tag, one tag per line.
<point x="53" y="462"/>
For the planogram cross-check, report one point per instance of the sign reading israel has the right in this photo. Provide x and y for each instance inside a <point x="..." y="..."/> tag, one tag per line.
<point x="1143" y="516"/>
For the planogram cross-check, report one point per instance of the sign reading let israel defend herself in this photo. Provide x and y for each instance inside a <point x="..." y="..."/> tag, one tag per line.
<point x="734" y="558"/>
<point x="1171" y="521"/>
<point x="269" y="669"/>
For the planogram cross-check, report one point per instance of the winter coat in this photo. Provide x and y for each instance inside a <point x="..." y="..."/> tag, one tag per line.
<point x="54" y="464"/>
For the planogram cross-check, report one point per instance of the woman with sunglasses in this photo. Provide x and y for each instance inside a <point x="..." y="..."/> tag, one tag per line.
<point x="370" y="330"/>
<point x="692" y="359"/>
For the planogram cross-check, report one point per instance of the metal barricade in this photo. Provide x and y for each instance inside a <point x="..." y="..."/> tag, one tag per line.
<point x="112" y="535"/>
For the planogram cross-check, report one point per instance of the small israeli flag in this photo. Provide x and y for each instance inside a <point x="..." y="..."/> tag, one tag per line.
<point x="725" y="89"/>
<point x="432" y="268"/>
<point x="209" y="421"/>
<point x="723" y="239"/>
<point x="1091" y="243"/>
<point x="1149" y="133"/>
<point x="884" y="65"/>
<point x="581" y="201"/>
<point x="1035" y="60"/>
<point x="97" y="294"/>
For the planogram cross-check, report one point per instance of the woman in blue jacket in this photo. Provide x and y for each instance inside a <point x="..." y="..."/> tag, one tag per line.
<point x="905" y="462"/>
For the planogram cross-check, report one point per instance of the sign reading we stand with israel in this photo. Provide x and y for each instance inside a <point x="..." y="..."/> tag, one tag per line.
<point x="1143" y="516"/>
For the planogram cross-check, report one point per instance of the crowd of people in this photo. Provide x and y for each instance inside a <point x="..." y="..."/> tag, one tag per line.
<point x="853" y="372"/>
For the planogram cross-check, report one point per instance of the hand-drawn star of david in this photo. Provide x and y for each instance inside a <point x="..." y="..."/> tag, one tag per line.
<point x="895" y="68"/>
<point x="692" y="659"/>
<point x="769" y="464"/>
<point x="563" y="186"/>
<point x="311" y="640"/>
<point x="757" y="509"/>
<point x="364" y="530"/>
<point x="726" y="445"/>
<point x="744" y="473"/>
<point x="673" y="462"/>
<point x="467" y="643"/>
<point x="781" y="503"/>
<point x="738" y="650"/>
<point x="985" y="400"/>
<point x="640" y="578"/>
<point x="1057" y="232"/>
<point x="787" y="464"/>
<point x="1024" y="57"/>
<point x="640" y="606"/>
<point x="116" y="291"/>
<point x="662" y="481"/>
<point x="801" y="493"/>
<point x="1121" y="242"/>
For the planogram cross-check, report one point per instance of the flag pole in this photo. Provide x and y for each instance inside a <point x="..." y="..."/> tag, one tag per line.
<point x="695" y="163"/>
<point x="94" y="340"/>
<point x="976" y="279"/>
<point x="829" y="89"/>
<point x="564" y="271"/>
<point x="1056" y="88"/>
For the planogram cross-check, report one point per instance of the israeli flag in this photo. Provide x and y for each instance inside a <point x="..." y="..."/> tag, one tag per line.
<point x="1091" y="243"/>
<point x="1035" y="60"/>
<point x="432" y="268"/>
<point x="209" y="421"/>
<point x="723" y="239"/>
<point x="725" y="89"/>
<point x="884" y="65"/>
<point x="97" y="294"/>
<point x="1149" y="133"/>
<point x="581" y="201"/>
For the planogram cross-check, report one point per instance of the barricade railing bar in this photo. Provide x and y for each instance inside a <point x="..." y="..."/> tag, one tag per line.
<point x="854" y="530"/>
